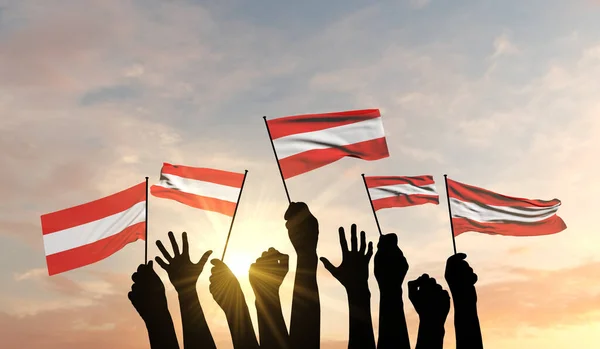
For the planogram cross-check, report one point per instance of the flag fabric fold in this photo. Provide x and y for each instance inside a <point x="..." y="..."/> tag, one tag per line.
<point x="397" y="191"/>
<point x="85" y="234"/>
<point x="203" y="188"/>
<point x="480" y="210"/>
<point x="306" y="142"/>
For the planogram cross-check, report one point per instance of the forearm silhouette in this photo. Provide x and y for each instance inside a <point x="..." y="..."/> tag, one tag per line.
<point x="353" y="274"/>
<point x="148" y="298"/>
<point x="184" y="274"/>
<point x="432" y="303"/>
<point x="266" y="276"/>
<point x="227" y="292"/>
<point x="390" y="270"/>
<point x="461" y="280"/>
<point x="305" y="323"/>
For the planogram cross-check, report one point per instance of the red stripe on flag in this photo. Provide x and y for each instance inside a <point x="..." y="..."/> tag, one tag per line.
<point x="310" y="160"/>
<point x="290" y="125"/>
<point x="94" y="252"/>
<point x="380" y="181"/>
<point x="405" y="201"/>
<point x="227" y="178"/>
<point x="469" y="193"/>
<point x="551" y="225"/>
<point x="197" y="201"/>
<point x="93" y="211"/>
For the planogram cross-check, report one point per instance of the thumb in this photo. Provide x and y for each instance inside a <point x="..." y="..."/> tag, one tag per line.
<point x="327" y="264"/>
<point x="151" y="264"/>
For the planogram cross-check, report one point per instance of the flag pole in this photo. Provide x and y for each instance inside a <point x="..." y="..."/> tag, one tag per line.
<point x="277" y="160"/>
<point x="146" y="232"/>
<point x="450" y="213"/>
<point x="234" y="213"/>
<point x="371" y="201"/>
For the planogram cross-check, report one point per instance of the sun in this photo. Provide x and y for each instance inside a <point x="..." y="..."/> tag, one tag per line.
<point x="239" y="263"/>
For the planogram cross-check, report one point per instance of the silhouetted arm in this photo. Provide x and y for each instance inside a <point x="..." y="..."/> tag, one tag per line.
<point x="184" y="274"/>
<point x="305" y="324"/>
<point x="390" y="270"/>
<point x="461" y="280"/>
<point x="432" y="303"/>
<point x="266" y="276"/>
<point x="353" y="274"/>
<point x="148" y="297"/>
<point x="227" y="292"/>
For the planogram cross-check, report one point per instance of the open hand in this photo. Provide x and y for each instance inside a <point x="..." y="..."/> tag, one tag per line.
<point x="390" y="264"/>
<point x="225" y="287"/>
<point x="430" y="300"/>
<point x="303" y="228"/>
<point x="147" y="292"/>
<point x="353" y="273"/>
<point x="183" y="273"/>
<point x="267" y="274"/>
<point x="460" y="278"/>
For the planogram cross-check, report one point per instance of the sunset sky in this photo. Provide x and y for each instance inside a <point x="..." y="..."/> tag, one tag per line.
<point x="97" y="94"/>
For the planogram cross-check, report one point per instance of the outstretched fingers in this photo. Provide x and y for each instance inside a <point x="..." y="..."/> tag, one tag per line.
<point x="185" y="246"/>
<point x="363" y="242"/>
<point x="343" y="241"/>
<point x="174" y="243"/>
<point x="353" y="239"/>
<point x="163" y="250"/>
<point x="327" y="264"/>
<point x="204" y="259"/>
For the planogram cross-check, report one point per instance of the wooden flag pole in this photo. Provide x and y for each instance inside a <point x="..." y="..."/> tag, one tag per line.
<point x="450" y="213"/>
<point x="371" y="201"/>
<point x="277" y="160"/>
<point x="146" y="232"/>
<point x="234" y="213"/>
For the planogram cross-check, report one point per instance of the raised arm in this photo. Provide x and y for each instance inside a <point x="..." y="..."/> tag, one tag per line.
<point x="461" y="280"/>
<point x="227" y="292"/>
<point x="305" y="324"/>
<point x="148" y="298"/>
<point x="353" y="274"/>
<point x="390" y="270"/>
<point x="266" y="276"/>
<point x="432" y="303"/>
<point x="184" y="274"/>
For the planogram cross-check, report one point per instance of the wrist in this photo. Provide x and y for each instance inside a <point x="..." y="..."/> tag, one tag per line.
<point x="359" y="293"/>
<point x="267" y="296"/>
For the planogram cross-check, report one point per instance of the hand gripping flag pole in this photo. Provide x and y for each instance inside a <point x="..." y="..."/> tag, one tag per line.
<point x="146" y="231"/>
<point x="372" y="206"/>
<point x="234" y="213"/>
<point x="450" y="213"/>
<point x="277" y="160"/>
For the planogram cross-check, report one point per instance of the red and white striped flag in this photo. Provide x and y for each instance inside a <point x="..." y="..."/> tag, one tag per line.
<point x="395" y="191"/>
<point x="306" y="142"/>
<point x="483" y="211"/>
<point x="203" y="188"/>
<point x="85" y="234"/>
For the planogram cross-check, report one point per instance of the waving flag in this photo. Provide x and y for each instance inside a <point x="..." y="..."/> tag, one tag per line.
<point x="306" y="142"/>
<point x="88" y="233"/>
<point x="395" y="191"/>
<point x="483" y="211"/>
<point x="203" y="188"/>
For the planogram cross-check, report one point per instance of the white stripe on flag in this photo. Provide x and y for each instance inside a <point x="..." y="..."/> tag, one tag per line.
<point x="201" y="188"/>
<point x="94" y="231"/>
<point x="329" y="138"/>
<point x="496" y="214"/>
<point x="401" y="189"/>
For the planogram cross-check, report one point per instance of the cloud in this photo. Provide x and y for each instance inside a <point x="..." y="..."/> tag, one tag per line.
<point x="503" y="46"/>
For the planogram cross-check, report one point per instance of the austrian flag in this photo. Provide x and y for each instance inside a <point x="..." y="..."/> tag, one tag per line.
<point x="395" y="191"/>
<point x="480" y="210"/>
<point x="88" y="233"/>
<point x="203" y="188"/>
<point x="306" y="142"/>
